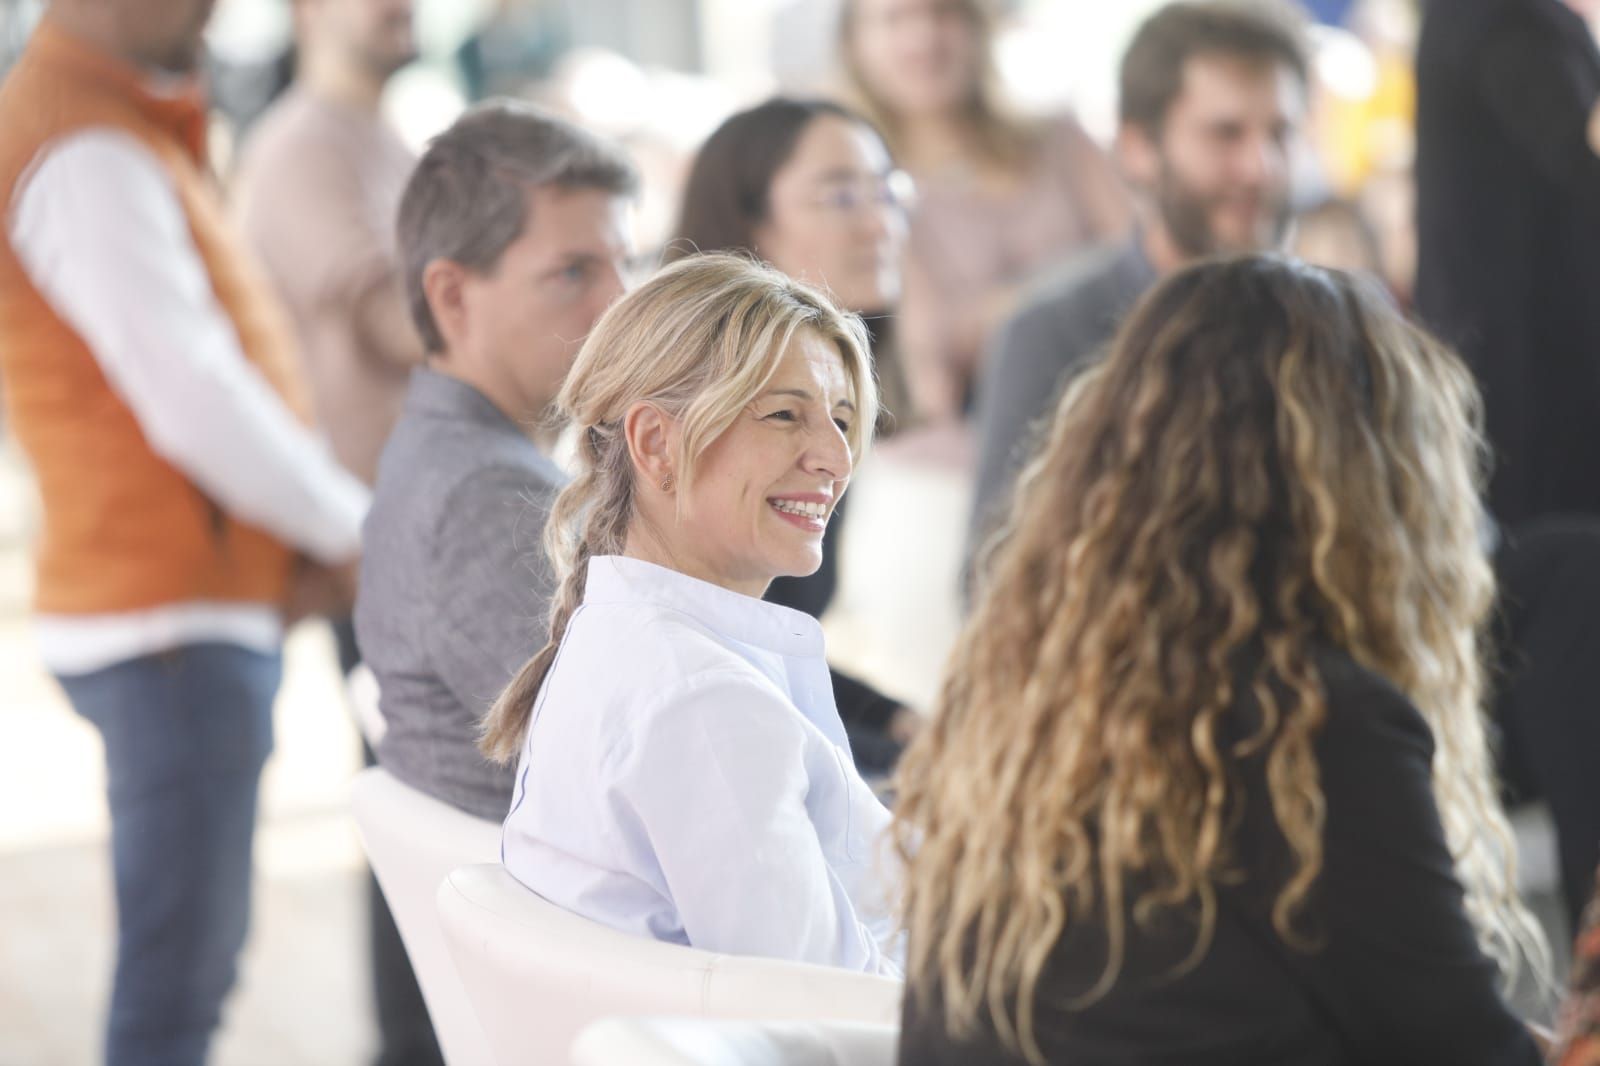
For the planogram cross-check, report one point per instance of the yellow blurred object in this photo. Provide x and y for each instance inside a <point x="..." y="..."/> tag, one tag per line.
<point x="1360" y="135"/>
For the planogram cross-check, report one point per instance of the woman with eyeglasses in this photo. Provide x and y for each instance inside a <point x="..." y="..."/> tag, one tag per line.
<point x="997" y="197"/>
<point x="808" y="186"/>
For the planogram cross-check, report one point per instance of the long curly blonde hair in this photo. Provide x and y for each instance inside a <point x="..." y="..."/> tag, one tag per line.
<point x="1268" y="459"/>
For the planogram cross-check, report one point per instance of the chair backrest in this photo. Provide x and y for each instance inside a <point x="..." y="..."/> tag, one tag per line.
<point x="361" y="696"/>
<point x="538" y="974"/>
<point x="696" y="1042"/>
<point x="413" y="841"/>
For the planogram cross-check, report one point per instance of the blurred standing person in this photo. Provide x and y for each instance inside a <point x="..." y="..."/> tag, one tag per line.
<point x="1508" y="220"/>
<point x="997" y="197"/>
<point x="150" y="378"/>
<point x="1210" y="96"/>
<point x="809" y="187"/>
<point x="318" y="185"/>
<point x="317" y="189"/>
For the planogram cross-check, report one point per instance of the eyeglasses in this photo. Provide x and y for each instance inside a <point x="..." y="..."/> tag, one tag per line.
<point x="894" y="191"/>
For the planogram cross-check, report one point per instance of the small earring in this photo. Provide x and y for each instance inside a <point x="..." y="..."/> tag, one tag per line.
<point x="666" y="483"/>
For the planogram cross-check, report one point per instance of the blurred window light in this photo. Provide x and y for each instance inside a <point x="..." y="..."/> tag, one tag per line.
<point x="604" y="90"/>
<point x="421" y="101"/>
<point x="1344" y="63"/>
<point x="249" y="31"/>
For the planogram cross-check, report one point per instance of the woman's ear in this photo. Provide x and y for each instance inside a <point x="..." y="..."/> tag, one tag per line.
<point x="652" y="435"/>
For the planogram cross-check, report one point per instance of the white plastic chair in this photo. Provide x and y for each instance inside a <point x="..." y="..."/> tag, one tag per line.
<point x="538" y="974"/>
<point x="413" y="841"/>
<point x="361" y="696"/>
<point x="692" y="1042"/>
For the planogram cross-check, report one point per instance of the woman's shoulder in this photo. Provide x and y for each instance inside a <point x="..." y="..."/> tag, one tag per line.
<point x="649" y="634"/>
<point x="1361" y="705"/>
<point x="630" y="671"/>
<point x="652" y="650"/>
<point x="1365" y="710"/>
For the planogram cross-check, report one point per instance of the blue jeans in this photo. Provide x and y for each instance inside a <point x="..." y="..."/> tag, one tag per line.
<point x="186" y="733"/>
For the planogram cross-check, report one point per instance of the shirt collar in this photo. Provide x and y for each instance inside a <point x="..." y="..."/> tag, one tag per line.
<point x="434" y="393"/>
<point x="732" y="615"/>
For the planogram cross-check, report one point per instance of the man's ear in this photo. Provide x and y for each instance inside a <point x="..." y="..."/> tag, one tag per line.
<point x="1138" y="155"/>
<point x="652" y="435"/>
<point x="443" y="282"/>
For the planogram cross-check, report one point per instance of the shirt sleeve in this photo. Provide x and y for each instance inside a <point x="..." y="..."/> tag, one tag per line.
<point x="718" y="779"/>
<point x="1400" y="964"/>
<point x="490" y="584"/>
<point x="100" y="231"/>
<point x="1541" y="91"/>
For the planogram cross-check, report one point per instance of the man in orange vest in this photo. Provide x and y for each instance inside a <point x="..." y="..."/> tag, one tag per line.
<point x="150" y="378"/>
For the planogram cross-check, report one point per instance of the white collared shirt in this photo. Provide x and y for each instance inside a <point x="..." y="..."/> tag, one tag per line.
<point x="686" y="777"/>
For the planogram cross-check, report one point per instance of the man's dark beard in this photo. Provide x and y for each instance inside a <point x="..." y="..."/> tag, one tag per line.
<point x="1188" y="218"/>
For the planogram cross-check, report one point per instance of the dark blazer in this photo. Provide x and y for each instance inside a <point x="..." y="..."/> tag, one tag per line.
<point x="1508" y="231"/>
<point x="455" y="587"/>
<point x="1398" y="976"/>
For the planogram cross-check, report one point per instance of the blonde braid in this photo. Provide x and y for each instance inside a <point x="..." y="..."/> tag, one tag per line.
<point x="589" y="518"/>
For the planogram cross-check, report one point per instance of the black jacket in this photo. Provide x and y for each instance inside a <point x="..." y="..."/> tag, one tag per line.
<point x="1398" y="977"/>
<point x="1508" y="229"/>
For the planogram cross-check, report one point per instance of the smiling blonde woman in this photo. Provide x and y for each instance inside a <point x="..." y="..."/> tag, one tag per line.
<point x="684" y="774"/>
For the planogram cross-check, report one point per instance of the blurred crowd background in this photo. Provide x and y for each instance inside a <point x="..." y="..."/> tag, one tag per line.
<point x="659" y="75"/>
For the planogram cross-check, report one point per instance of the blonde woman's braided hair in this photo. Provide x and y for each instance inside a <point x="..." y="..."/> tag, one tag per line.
<point x="700" y="339"/>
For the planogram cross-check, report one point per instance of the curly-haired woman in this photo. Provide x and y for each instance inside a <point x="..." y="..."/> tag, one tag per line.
<point x="1208" y="781"/>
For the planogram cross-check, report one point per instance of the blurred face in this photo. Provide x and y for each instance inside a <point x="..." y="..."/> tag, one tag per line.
<point x="376" y="35"/>
<point x="834" y="218"/>
<point x="521" y="324"/>
<point x="763" y="492"/>
<point x="1335" y="244"/>
<point x="166" y="34"/>
<point x="1218" y="170"/>
<point x="918" y="57"/>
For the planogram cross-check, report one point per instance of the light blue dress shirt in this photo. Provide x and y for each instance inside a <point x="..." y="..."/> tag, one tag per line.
<point x="686" y="777"/>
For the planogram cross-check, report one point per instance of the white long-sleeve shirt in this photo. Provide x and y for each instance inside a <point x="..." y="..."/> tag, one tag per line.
<point x="98" y="226"/>
<point x="686" y="777"/>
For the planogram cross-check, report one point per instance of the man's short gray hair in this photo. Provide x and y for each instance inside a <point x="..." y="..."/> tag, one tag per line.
<point x="467" y="199"/>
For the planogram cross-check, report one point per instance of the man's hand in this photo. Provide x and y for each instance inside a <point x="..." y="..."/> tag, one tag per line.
<point x="321" y="591"/>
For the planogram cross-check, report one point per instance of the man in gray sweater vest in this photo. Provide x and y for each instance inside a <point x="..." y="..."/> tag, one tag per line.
<point x="512" y="235"/>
